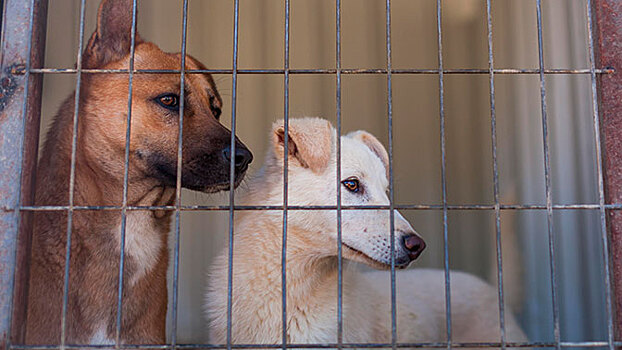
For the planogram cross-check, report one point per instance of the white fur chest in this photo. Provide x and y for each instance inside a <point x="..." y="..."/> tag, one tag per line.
<point x="260" y="321"/>
<point x="312" y="323"/>
<point x="143" y="241"/>
<point x="100" y="336"/>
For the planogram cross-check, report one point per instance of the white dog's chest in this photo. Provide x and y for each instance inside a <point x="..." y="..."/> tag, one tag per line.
<point x="307" y="326"/>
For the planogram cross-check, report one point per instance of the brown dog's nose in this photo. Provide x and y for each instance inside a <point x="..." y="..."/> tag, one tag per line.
<point x="242" y="157"/>
<point x="414" y="245"/>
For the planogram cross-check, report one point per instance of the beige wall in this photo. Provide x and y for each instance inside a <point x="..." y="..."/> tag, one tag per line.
<point x="415" y="117"/>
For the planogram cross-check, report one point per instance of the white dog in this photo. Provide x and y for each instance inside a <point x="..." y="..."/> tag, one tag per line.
<point x="312" y="256"/>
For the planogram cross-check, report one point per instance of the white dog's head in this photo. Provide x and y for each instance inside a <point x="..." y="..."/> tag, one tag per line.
<point x="364" y="181"/>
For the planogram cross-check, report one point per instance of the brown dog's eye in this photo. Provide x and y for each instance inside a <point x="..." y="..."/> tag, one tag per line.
<point x="351" y="184"/>
<point x="216" y="112"/>
<point x="168" y="101"/>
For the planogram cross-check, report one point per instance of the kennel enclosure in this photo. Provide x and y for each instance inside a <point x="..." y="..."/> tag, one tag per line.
<point x="23" y="71"/>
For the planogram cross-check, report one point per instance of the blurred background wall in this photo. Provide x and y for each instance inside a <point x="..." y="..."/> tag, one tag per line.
<point x="416" y="120"/>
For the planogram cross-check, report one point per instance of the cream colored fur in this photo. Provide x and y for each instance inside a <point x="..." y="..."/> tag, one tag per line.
<point x="312" y="257"/>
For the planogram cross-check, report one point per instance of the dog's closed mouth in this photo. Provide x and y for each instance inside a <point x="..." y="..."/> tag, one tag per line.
<point x="193" y="178"/>
<point x="373" y="262"/>
<point x="223" y="186"/>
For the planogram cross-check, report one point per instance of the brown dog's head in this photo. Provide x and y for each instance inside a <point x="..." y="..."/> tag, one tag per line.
<point x="155" y="117"/>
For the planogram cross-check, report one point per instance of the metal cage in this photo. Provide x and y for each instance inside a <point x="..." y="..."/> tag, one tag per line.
<point x="23" y="44"/>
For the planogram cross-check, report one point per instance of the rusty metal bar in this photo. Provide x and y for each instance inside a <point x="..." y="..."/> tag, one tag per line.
<point x="285" y="173"/>
<point x="391" y="177"/>
<point x="180" y="137"/>
<point x="427" y="345"/>
<point x="128" y="129"/>
<point x="234" y="100"/>
<point x="547" y="181"/>
<point x="613" y="206"/>
<point x="601" y="185"/>
<point x="495" y="175"/>
<point x="23" y="43"/>
<point x="324" y="71"/>
<point x="441" y="112"/>
<point x="338" y="176"/>
<point x="608" y="53"/>
<point x="72" y="179"/>
<point x="30" y="147"/>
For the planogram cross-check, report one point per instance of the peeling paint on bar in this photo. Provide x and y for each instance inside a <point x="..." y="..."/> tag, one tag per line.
<point x="608" y="50"/>
<point x="19" y="126"/>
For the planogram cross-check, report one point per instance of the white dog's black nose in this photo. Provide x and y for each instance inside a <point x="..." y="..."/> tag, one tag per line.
<point x="414" y="245"/>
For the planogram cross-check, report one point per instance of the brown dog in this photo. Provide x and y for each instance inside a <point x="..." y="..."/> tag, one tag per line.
<point x="99" y="177"/>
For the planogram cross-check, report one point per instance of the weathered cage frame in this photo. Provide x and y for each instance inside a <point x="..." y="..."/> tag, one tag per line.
<point x="23" y="44"/>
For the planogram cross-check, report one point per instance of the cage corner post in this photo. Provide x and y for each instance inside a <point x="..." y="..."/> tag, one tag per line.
<point x="23" y="47"/>
<point x="608" y="52"/>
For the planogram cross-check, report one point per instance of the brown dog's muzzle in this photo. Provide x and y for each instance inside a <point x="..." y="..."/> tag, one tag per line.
<point x="210" y="170"/>
<point x="243" y="157"/>
<point x="205" y="168"/>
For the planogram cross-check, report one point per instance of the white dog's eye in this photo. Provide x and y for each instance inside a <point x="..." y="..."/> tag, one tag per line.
<point x="352" y="184"/>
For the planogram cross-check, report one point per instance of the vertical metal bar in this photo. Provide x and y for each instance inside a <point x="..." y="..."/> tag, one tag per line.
<point x="182" y="77"/>
<point x="441" y="82"/>
<point x="72" y="177"/>
<point x="607" y="51"/>
<point x="128" y="129"/>
<point x="599" y="169"/>
<point x="23" y="43"/>
<point x="285" y="170"/>
<point x="234" y="88"/>
<point x="29" y="151"/>
<point x="495" y="170"/>
<point x="338" y="179"/>
<point x="547" y="178"/>
<point x="391" y="192"/>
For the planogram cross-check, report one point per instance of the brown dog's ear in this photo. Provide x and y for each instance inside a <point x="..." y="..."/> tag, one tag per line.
<point x="374" y="145"/>
<point x="113" y="36"/>
<point x="309" y="142"/>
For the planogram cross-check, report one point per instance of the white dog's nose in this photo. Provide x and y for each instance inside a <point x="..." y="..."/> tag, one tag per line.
<point x="414" y="245"/>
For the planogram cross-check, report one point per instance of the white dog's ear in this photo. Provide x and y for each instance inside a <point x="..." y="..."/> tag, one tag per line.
<point x="374" y="145"/>
<point x="309" y="142"/>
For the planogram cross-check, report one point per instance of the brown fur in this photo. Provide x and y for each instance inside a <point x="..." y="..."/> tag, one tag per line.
<point x="99" y="177"/>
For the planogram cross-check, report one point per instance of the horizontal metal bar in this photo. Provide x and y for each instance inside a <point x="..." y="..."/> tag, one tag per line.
<point x="322" y="345"/>
<point x="616" y="206"/>
<point x="607" y="70"/>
